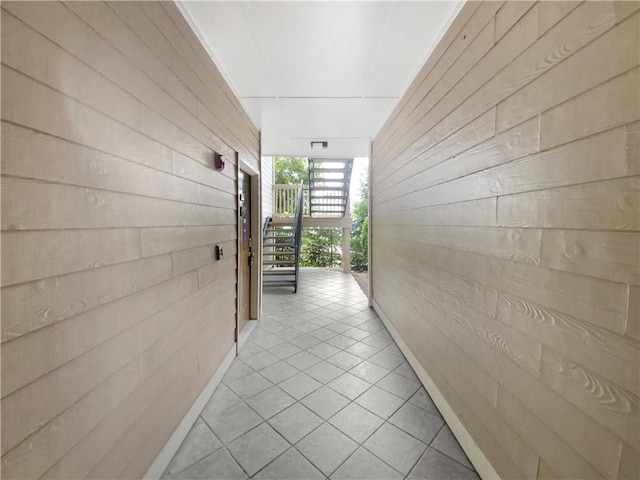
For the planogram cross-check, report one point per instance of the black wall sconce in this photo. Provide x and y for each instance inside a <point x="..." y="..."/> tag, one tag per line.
<point x="218" y="163"/>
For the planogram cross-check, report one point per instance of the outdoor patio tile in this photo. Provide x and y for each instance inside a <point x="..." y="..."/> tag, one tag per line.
<point x="422" y="399"/>
<point x="395" y="447"/>
<point x="222" y="398"/>
<point x="363" y="465"/>
<point x="325" y="402"/>
<point x="338" y="327"/>
<point x="199" y="442"/>
<point x="302" y="360"/>
<point x="238" y="369"/>
<point x="289" y="466"/>
<point x="269" y="341"/>
<point x="370" y="372"/>
<point x="295" y="422"/>
<point x="257" y="448"/>
<point x="362" y="350"/>
<point x="300" y="385"/>
<point x="436" y="466"/>
<point x="324" y="372"/>
<point x="417" y="422"/>
<point x="326" y="447"/>
<point x="406" y="371"/>
<point x="260" y="360"/>
<point x="278" y="372"/>
<point x="341" y="341"/>
<point x="323" y="334"/>
<point x="356" y="334"/>
<point x="305" y="341"/>
<point x="379" y="402"/>
<point x="349" y="385"/>
<point x="344" y="360"/>
<point x="217" y="466"/>
<point x="323" y="350"/>
<point x="270" y="402"/>
<point x="233" y="422"/>
<point x="386" y="360"/>
<point x="399" y="385"/>
<point x="446" y="443"/>
<point x="377" y="340"/>
<point x="356" y="422"/>
<point x="249" y="385"/>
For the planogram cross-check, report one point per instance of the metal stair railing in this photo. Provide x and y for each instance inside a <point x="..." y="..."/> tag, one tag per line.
<point x="297" y="233"/>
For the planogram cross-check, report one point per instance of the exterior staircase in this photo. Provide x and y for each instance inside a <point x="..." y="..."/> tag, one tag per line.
<point x="329" y="181"/>
<point x="281" y="249"/>
<point x="279" y="254"/>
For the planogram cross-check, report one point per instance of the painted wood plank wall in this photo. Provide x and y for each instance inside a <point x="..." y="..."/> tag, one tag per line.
<point x="114" y="312"/>
<point x="505" y="232"/>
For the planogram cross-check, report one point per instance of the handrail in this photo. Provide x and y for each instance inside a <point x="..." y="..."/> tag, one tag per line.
<point x="297" y="232"/>
<point x="266" y="225"/>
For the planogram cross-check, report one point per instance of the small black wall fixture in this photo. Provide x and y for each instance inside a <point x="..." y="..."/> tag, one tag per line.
<point x="218" y="163"/>
<point x="319" y="145"/>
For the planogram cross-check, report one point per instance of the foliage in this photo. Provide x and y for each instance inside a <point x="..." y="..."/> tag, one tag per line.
<point x="360" y="230"/>
<point x="320" y="247"/>
<point x="291" y="170"/>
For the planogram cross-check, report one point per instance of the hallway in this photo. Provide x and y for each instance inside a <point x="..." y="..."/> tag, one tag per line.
<point x="319" y="390"/>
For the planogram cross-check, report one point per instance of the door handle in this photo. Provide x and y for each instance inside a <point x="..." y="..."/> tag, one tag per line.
<point x="250" y="258"/>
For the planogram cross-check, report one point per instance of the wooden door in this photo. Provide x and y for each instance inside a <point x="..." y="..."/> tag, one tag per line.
<point x="245" y="253"/>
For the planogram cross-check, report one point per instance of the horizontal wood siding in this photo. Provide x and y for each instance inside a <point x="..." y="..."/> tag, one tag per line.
<point x="505" y="232"/>
<point x="114" y="312"/>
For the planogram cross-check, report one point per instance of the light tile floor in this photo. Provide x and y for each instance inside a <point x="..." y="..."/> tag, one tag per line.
<point x="320" y="390"/>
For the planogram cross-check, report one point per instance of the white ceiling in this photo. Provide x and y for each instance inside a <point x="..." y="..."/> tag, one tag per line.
<point x="319" y="70"/>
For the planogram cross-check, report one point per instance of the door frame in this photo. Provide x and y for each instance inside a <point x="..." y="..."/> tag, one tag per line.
<point x="255" y="293"/>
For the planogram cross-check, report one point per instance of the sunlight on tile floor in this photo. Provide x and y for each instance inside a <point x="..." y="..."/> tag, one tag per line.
<point x="320" y="390"/>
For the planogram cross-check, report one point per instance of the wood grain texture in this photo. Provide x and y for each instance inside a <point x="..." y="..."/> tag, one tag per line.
<point x="633" y="313"/>
<point x="597" y="301"/>
<point x="559" y="455"/>
<point x="607" y="205"/>
<point x="633" y="148"/>
<point x="575" y="163"/>
<point x="612" y="54"/>
<point x="611" y="255"/>
<point x="115" y="311"/>
<point x="508" y="15"/>
<point x="77" y="335"/>
<point x="609" y="405"/>
<point x="33" y="305"/>
<point x="614" y="103"/>
<point x="534" y="226"/>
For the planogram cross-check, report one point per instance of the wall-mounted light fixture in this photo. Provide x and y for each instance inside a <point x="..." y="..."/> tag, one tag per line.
<point x="319" y="145"/>
<point x="218" y="163"/>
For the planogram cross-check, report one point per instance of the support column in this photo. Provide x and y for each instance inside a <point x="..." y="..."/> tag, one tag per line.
<point x="346" y="250"/>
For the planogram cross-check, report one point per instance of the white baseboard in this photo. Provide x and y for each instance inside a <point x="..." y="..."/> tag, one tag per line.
<point x="161" y="462"/>
<point x="476" y="456"/>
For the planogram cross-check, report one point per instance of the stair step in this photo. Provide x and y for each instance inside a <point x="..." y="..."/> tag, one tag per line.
<point x="276" y="273"/>
<point x="279" y="237"/>
<point x="331" y="197"/>
<point x="277" y="254"/>
<point x="329" y="170"/>
<point x="286" y="283"/>
<point x="279" y="262"/>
